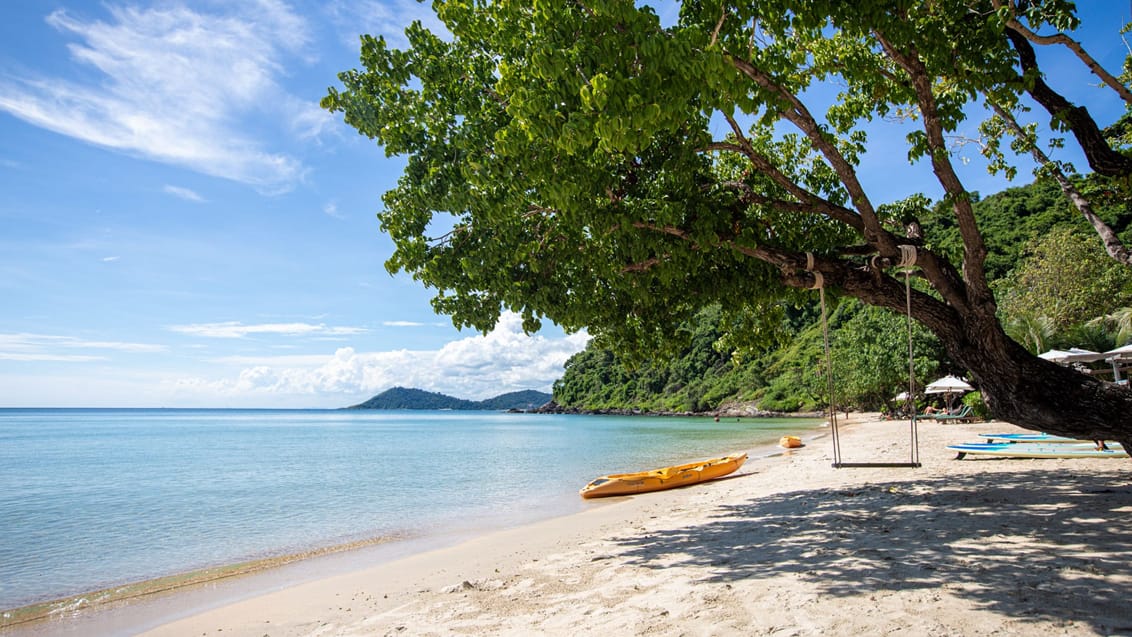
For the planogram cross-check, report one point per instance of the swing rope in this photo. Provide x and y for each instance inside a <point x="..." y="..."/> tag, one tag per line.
<point x="907" y="262"/>
<point x="819" y="285"/>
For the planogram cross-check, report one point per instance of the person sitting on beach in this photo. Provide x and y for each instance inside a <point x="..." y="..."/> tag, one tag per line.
<point x="932" y="409"/>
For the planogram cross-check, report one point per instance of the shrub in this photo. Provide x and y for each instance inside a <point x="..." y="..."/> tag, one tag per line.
<point x="979" y="409"/>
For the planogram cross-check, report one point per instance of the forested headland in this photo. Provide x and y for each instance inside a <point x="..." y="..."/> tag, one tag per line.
<point x="1056" y="288"/>
<point x="409" y="398"/>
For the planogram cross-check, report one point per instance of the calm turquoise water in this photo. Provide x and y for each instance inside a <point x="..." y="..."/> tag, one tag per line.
<point x="96" y="498"/>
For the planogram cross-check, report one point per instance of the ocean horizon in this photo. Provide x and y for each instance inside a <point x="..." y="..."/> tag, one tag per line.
<point x="102" y="497"/>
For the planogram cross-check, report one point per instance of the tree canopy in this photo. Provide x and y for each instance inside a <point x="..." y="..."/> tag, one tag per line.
<point x="1024" y="227"/>
<point x="563" y="162"/>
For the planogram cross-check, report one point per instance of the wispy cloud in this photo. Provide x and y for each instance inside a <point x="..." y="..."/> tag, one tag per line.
<point x="48" y="357"/>
<point x="389" y="18"/>
<point x="307" y="120"/>
<point x="475" y="367"/>
<point x="236" y="329"/>
<point x="410" y="324"/>
<point x="184" y="193"/>
<point x="49" y="347"/>
<point x="289" y="360"/>
<point x="111" y="259"/>
<point x="176" y="85"/>
<point x="330" y="209"/>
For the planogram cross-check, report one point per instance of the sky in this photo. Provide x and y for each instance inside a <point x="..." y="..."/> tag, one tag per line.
<point x="182" y="226"/>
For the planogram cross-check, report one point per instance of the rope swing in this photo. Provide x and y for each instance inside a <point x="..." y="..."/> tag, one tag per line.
<point x="907" y="263"/>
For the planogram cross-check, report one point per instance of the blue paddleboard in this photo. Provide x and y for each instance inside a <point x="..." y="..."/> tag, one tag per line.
<point x="1036" y="437"/>
<point x="1039" y="450"/>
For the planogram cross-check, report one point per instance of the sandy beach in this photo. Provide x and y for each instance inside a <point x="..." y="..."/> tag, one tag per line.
<point x="786" y="546"/>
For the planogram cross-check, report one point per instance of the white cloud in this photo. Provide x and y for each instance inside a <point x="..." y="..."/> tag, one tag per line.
<point x="389" y="18"/>
<point x="307" y="120"/>
<point x="236" y="329"/>
<point x="177" y="85"/>
<point x="46" y="357"/>
<point x="330" y="209"/>
<point x="111" y="259"/>
<point x="476" y="367"/>
<point x="184" y="193"/>
<point x="49" y="347"/>
<point x="344" y="331"/>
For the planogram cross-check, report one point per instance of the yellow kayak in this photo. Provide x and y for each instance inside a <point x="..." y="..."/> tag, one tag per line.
<point x="660" y="479"/>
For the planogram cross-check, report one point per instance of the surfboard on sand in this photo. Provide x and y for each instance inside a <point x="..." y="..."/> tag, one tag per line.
<point x="1038" y="450"/>
<point x="1035" y="437"/>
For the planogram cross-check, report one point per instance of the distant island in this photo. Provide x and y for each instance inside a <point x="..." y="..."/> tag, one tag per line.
<point x="406" y="398"/>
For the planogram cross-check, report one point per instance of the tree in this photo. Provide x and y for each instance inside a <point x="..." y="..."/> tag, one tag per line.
<point x="1119" y="322"/>
<point x="1034" y="332"/>
<point x="1066" y="279"/>
<point x="562" y="163"/>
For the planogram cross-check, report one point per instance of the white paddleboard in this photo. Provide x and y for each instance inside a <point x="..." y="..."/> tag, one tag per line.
<point x="1039" y="450"/>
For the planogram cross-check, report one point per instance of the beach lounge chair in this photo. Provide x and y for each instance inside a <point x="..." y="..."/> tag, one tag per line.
<point x="963" y="415"/>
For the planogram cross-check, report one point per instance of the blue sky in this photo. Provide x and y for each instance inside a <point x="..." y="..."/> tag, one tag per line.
<point x="182" y="226"/>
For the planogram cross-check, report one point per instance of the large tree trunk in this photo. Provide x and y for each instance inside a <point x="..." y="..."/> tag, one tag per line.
<point x="1017" y="386"/>
<point x="1030" y="392"/>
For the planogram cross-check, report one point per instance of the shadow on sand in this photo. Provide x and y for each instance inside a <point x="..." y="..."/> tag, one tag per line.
<point x="1024" y="544"/>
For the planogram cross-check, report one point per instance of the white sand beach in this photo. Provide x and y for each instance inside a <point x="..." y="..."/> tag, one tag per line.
<point x="787" y="546"/>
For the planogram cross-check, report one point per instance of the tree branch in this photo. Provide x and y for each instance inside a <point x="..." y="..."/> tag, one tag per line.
<point x="811" y="204"/>
<point x="801" y="117"/>
<point x="764" y="165"/>
<point x="718" y="26"/>
<point x="940" y="272"/>
<point x="673" y="231"/>
<point x="1112" y="243"/>
<point x="643" y="266"/>
<point x="974" y="248"/>
<point x="1102" y="158"/>
<point x="870" y="284"/>
<point x="1072" y="45"/>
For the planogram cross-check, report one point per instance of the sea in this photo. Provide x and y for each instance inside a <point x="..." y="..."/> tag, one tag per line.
<point x="92" y="499"/>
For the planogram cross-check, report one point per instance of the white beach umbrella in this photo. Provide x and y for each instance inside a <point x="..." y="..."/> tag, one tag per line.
<point x="1085" y="355"/>
<point x="903" y="397"/>
<point x="948" y="385"/>
<point x="1123" y="353"/>
<point x="1071" y="355"/>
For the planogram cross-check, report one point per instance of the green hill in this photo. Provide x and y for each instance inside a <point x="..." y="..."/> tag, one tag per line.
<point x="527" y="399"/>
<point x="407" y="398"/>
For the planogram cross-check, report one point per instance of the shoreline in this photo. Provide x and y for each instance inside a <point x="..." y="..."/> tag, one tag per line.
<point x="37" y="618"/>
<point x="788" y="543"/>
<point x="124" y="593"/>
